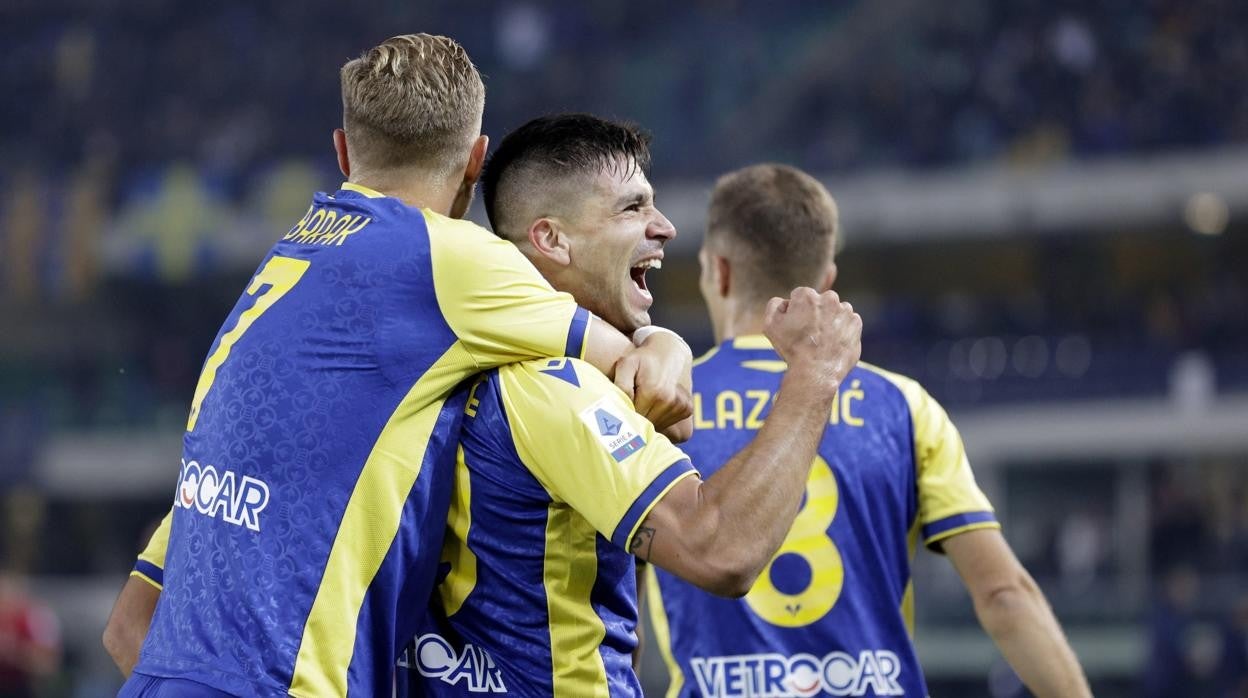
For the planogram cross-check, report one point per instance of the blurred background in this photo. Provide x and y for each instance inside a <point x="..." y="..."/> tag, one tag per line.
<point x="1045" y="208"/>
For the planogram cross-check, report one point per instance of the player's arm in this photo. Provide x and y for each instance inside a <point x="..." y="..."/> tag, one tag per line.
<point x="1014" y="612"/>
<point x="957" y="520"/>
<point x="720" y="533"/>
<point x="132" y="613"/>
<point x="657" y="374"/>
<point x="128" y="622"/>
<point x="506" y="312"/>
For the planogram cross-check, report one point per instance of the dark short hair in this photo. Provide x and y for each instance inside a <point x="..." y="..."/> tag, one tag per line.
<point x="777" y="225"/>
<point x="560" y="145"/>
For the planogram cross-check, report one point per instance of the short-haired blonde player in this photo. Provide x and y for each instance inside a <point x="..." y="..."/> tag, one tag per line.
<point x="318" y="454"/>
<point x="831" y="614"/>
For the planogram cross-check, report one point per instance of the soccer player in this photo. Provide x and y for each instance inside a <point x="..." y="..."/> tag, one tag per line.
<point x="831" y="614"/>
<point x="319" y="450"/>
<point x="560" y="482"/>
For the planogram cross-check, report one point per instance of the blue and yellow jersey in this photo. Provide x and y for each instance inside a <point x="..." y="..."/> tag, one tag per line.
<point x="319" y="452"/>
<point x="831" y="614"/>
<point x="556" y="472"/>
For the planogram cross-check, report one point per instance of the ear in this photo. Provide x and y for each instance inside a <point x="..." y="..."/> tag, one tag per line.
<point x="463" y="195"/>
<point x="340" y="148"/>
<point x="549" y="241"/>
<point x="723" y="275"/>
<point x="476" y="159"/>
<point x="829" y="277"/>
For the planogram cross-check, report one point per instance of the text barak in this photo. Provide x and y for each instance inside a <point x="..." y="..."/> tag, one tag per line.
<point x="325" y="226"/>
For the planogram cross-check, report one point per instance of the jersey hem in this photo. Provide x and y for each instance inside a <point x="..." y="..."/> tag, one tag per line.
<point x="578" y="332"/>
<point x="212" y="678"/>
<point x="951" y="526"/>
<point x="649" y="497"/>
<point x="150" y="572"/>
<point x="149" y="580"/>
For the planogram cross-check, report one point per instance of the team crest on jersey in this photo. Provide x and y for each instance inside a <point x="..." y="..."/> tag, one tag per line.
<point x="614" y="432"/>
<point x="433" y="657"/>
<point x="608" y="425"/>
<point x="774" y="675"/>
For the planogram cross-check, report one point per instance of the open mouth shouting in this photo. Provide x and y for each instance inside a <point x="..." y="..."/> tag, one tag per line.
<point x="638" y="275"/>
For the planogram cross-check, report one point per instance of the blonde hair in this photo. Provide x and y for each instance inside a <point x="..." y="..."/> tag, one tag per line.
<point x="416" y="100"/>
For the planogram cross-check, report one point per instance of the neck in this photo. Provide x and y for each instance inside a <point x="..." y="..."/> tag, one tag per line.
<point x="418" y="190"/>
<point x="737" y="319"/>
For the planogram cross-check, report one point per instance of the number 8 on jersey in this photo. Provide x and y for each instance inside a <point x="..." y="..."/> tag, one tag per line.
<point x="810" y="569"/>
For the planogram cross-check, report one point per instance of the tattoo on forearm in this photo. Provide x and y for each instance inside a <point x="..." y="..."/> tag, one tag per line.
<point x="642" y="542"/>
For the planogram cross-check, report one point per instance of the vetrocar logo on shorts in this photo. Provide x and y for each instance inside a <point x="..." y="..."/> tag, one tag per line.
<point x="220" y="493"/>
<point x="776" y="676"/>
<point x="435" y="658"/>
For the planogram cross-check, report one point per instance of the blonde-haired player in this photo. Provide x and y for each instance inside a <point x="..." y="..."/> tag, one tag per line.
<point x="318" y="454"/>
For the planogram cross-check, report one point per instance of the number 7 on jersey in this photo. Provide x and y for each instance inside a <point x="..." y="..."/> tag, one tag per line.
<point x="280" y="275"/>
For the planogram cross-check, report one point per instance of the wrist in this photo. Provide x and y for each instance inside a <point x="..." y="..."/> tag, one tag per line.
<point x="641" y="334"/>
<point x="820" y="382"/>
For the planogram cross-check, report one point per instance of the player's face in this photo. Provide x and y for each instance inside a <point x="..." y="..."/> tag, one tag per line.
<point x="618" y="235"/>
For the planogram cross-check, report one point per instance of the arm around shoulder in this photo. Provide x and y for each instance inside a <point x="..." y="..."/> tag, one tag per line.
<point x="1013" y="611"/>
<point x="655" y="374"/>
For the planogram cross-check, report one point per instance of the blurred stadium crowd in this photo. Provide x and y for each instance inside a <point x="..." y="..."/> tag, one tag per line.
<point x="914" y="84"/>
<point x="153" y="149"/>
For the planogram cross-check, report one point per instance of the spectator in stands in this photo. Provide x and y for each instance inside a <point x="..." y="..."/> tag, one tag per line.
<point x="30" y="639"/>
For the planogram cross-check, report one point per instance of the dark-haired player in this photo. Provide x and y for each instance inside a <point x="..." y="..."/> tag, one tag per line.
<point x="561" y="483"/>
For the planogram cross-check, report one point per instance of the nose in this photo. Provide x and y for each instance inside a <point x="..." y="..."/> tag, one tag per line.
<point x="660" y="227"/>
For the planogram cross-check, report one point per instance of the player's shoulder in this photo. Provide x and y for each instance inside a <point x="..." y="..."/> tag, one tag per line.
<point x="457" y="230"/>
<point x="906" y="388"/>
<point x="903" y="387"/>
<point x="557" y="403"/>
<point x="558" y="383"/>
<point x="464" y="253"/>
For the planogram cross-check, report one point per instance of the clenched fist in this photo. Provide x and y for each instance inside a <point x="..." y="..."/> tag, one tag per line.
<point x="817" y="334"/>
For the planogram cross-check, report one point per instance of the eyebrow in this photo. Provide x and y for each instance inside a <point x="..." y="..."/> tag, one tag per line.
<point x="639" y="197"/>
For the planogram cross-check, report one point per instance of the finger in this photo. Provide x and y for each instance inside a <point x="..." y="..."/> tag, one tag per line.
<point x="775" y="307"/>
<point x="626" y="374"/>
<point x="647" y="398"/>
<point x="804" y="293"/>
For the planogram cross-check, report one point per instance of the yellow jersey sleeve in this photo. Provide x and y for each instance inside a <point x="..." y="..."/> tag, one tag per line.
<point x="150" y="567"/>
<point x="585" y="443"/>
<point x="494" y="299"/>
<point x="950" y="502"/>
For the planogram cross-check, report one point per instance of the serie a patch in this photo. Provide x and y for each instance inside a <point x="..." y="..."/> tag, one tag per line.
<point x="614" y="431"/>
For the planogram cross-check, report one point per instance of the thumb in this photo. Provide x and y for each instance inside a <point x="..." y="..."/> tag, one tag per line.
<point x="775" y="307"/>
<point x="626" y="374"/>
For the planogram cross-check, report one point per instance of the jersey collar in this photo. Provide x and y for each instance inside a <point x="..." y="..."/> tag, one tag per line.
<point x="750" y="341"/>
<point x="361" y="189"/>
